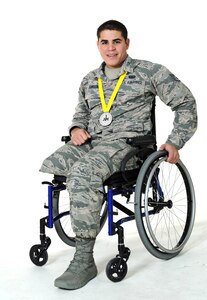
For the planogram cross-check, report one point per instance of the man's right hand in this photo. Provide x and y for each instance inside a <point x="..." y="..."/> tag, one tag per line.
<point x="79" y="136"/>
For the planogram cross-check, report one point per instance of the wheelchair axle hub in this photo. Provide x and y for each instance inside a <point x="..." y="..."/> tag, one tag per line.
<point x="160" y="204"/>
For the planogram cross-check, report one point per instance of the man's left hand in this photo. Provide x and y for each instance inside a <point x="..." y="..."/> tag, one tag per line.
<point x="173" y="154"/>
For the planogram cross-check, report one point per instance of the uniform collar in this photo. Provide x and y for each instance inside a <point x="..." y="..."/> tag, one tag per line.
<point x="128" y="65"/>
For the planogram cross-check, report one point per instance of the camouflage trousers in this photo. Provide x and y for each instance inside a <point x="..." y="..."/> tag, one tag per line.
<point x="86" y="167"/>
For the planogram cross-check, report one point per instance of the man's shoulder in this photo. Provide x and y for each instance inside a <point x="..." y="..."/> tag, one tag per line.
<point x="89" y="78"/>
<point x="142" y="66"/>
<point x="145" y="64"/>
<point x="91" y="75"/>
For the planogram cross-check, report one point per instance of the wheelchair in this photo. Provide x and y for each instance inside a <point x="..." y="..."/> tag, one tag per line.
<point x="163" y="207"/>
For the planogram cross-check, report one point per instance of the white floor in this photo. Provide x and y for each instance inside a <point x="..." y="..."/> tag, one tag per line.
<point x="183" y="277"/>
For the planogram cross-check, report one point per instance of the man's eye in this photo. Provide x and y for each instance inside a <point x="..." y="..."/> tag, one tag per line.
<point x="103" y="42"/>
<point x="117" y="42"/>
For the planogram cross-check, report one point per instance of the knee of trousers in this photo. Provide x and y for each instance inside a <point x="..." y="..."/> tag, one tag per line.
<point x="85" y="177"/>
<point x="52" y="165"/>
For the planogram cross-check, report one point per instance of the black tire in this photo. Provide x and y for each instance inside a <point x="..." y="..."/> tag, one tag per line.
<point x="116" y="269"/>
<point x="63" y="224"/>
<point x="38" y="255"/>
<point x="164" y="206"/>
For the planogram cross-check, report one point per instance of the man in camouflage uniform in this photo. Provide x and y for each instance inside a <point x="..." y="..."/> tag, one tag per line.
<point x="97" y="148"/>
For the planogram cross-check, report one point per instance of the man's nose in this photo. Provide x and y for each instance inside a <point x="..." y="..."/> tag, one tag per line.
<point x="111" y="46"/>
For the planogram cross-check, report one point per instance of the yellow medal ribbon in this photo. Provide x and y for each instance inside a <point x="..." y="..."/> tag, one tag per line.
<point x="106" y="108"/>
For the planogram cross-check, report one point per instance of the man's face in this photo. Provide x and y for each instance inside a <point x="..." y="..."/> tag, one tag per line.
<point x="113" y="48"/>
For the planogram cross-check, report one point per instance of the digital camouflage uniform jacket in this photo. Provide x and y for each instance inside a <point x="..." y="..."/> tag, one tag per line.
<point x="131" y="109"/>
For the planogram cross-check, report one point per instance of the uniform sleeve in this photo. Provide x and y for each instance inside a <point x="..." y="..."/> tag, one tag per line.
<point x="176" y="95"/>
<point x="82" y="113"/>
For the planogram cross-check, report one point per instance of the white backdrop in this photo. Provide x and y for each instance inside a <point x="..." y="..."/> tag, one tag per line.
<point x="46" y="47"/>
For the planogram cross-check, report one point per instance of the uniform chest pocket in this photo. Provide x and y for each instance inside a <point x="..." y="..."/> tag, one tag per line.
<point x="131" y="90"/>
<point x="92" y="99"/>
<point x="134" y="86"/>
<point x="91" y="95"/>
<point x="93" y="103"/>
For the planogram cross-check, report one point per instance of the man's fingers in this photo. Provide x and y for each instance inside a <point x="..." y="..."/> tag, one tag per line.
<point x="173" y="154"/>
<point x="79" y="137"/>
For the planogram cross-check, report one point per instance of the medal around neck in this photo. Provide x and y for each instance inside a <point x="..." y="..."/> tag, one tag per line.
<point x="105" y="119"/>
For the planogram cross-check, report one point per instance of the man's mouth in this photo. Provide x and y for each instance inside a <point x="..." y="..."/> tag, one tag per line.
<point x="112" y="55"/>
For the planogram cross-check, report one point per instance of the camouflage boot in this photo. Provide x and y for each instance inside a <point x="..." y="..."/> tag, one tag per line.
<point x="81" y="269"/>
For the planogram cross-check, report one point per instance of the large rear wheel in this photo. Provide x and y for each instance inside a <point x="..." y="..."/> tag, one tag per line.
<point x="164" y="205"/>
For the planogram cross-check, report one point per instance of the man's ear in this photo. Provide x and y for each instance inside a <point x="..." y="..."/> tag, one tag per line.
<point x="127" y="42"/>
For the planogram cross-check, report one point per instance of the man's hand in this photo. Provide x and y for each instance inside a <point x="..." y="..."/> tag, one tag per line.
<point x="79" y="136"/>
<point x="173" y="154"/>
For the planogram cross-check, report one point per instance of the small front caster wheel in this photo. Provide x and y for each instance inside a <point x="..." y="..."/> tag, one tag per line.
<point x="38" y="255"/>
<point x="116" y="269"/>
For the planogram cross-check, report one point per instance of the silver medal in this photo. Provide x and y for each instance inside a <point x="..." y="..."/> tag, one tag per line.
<point x="105" y="119"/>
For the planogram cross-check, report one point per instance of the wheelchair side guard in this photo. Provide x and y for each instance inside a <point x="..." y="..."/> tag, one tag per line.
<point x="142" y="141"/>
<point x="143" y="146"/>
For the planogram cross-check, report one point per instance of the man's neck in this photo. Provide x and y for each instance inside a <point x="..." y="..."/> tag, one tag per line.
<point x="112" y="73"/>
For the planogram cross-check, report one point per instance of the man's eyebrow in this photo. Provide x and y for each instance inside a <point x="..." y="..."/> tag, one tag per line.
<point x="115" y="40"/>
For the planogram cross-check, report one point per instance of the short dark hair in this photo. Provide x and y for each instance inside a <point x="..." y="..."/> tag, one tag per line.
<point x="113" y="25"/>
